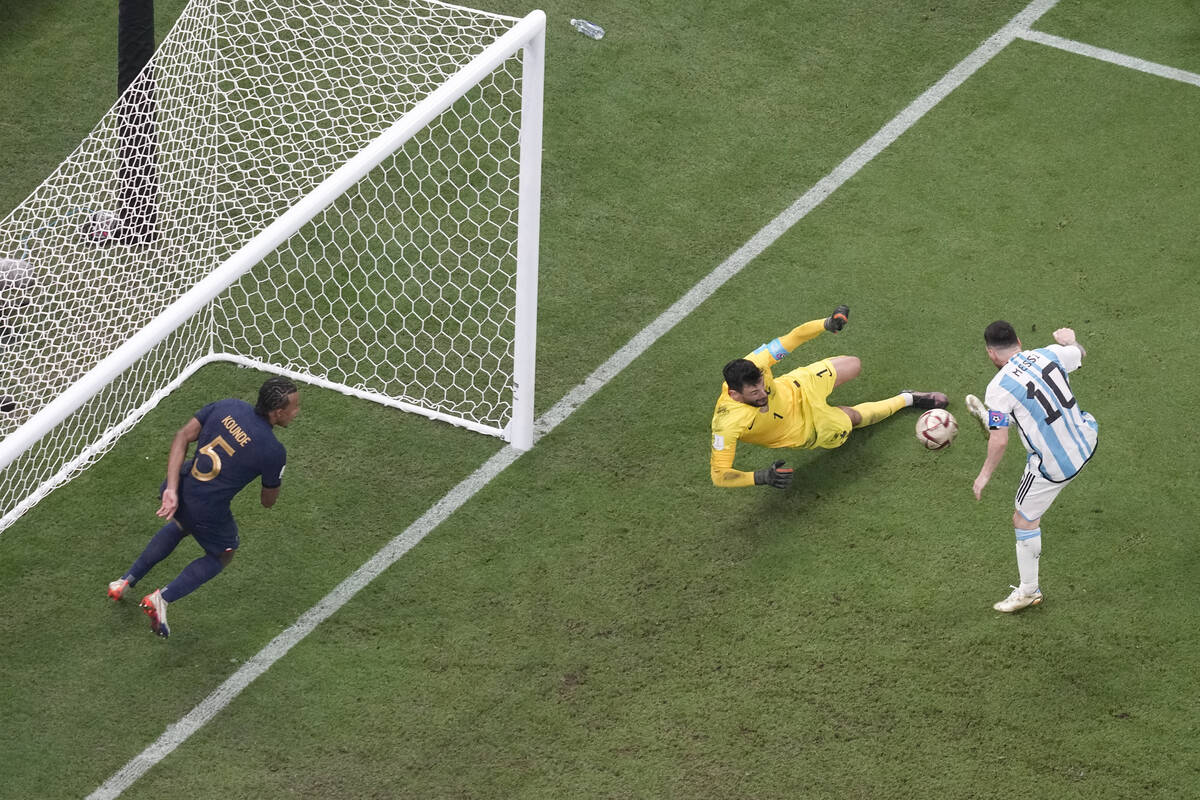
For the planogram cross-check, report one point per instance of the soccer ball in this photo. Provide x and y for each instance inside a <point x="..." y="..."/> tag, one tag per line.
<point x="102" y="226"/>
<point x="936" y="428"/>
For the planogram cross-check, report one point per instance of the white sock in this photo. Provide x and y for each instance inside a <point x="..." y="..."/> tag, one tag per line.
<point x="1029" y="549"/>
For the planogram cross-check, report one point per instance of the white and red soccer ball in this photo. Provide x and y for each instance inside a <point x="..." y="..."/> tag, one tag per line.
<point x="102" y="226"/>
<point x="936" y="428"/>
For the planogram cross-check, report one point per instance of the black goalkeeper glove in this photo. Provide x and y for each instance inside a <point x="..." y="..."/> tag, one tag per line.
<point x="775" y="475"/>
<point x="837" y="320"/>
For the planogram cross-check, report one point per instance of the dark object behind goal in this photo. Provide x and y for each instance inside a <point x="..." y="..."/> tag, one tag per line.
<point x="138" y="149"/>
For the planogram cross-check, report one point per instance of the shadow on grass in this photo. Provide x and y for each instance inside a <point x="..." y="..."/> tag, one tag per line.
<point x="823" y="478"/>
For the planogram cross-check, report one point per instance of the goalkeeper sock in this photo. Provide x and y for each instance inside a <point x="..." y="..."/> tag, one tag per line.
<point x="161" y="545"/>
<point x="879" y="410"/>
<point x="1029" y="550"/>
<point x="193" y="576"/>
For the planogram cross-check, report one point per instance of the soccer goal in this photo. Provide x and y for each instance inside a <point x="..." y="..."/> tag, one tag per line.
<point x="346" y="193"/>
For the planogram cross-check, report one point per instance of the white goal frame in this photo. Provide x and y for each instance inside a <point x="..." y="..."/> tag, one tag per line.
<point x="527" y="39"/>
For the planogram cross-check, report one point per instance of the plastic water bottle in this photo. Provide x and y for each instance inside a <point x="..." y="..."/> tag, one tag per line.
<point x="589" y="29"/>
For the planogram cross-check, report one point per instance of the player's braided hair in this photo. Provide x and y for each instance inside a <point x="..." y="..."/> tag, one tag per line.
<point x="274" y="395"/>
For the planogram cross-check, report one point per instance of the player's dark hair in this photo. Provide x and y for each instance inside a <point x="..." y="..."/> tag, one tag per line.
<point x="740" y="372"/>
<point x="1000" y="335"/>
<point x="274" y="395"/>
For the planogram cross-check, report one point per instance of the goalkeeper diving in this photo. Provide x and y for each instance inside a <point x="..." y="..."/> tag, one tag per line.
<point x="793" y="410"/>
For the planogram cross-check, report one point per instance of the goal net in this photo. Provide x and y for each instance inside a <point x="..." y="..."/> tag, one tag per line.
<point x="346" y="193"/>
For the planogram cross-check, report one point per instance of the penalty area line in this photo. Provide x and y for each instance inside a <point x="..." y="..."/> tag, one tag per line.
<point x="1111" y="56"/>
<point x="222" y="696"/>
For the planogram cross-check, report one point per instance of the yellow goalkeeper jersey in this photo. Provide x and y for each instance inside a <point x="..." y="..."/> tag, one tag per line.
<point x="796" y="414"/>
<point x="783" y="422"/>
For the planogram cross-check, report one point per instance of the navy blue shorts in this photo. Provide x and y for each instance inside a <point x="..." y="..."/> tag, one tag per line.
<point x="215" y="539"/>
<point x="216" y="536"/>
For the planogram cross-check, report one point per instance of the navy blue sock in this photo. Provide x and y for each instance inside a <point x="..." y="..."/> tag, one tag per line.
<point x="194" y="574"/>
<point x="161" y="545"/>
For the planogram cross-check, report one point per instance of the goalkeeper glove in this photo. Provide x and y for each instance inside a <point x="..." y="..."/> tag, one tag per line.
<point x="837" y="320"/>
<point x="775" y="475"/>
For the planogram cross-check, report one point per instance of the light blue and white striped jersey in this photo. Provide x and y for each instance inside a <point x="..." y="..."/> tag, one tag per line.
<point x="1032" y="392"/>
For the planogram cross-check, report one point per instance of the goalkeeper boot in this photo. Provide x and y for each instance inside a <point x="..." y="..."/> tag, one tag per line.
<point x="117" y="588"/>
<point x="927" y="399"/>
<point x="1018" y="600"/>
<point x="156" y="609"/>
<point x="978" y="411"/>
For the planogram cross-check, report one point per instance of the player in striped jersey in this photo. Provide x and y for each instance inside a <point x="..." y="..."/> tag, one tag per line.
<point x="1031" y="392"/>
<point x="792" y="410"/>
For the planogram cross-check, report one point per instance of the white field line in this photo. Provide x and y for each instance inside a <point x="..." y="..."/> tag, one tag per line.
<point x="1120" y="59"/>
<point x="178" y="733"/>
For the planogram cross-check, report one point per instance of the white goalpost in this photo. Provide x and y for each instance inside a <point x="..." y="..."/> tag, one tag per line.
<point x="344" y="193"/>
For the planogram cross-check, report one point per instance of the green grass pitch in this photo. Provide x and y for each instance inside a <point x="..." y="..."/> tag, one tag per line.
<point x="599" y="621"/>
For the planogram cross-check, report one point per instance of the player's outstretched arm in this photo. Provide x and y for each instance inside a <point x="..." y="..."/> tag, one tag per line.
<point x="838" y="319"/>
<point x="732" y="478"/>
<point x="1066" y="337"/>
<point x="776" y="475"/>
<point x="724" y="475"/>
<point x="809" y="331"/>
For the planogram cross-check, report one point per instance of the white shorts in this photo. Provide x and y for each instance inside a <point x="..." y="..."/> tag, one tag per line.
<point x="1035" y="494"/>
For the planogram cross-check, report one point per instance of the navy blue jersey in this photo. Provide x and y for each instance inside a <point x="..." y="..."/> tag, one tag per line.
<point x="235" y="447"/>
